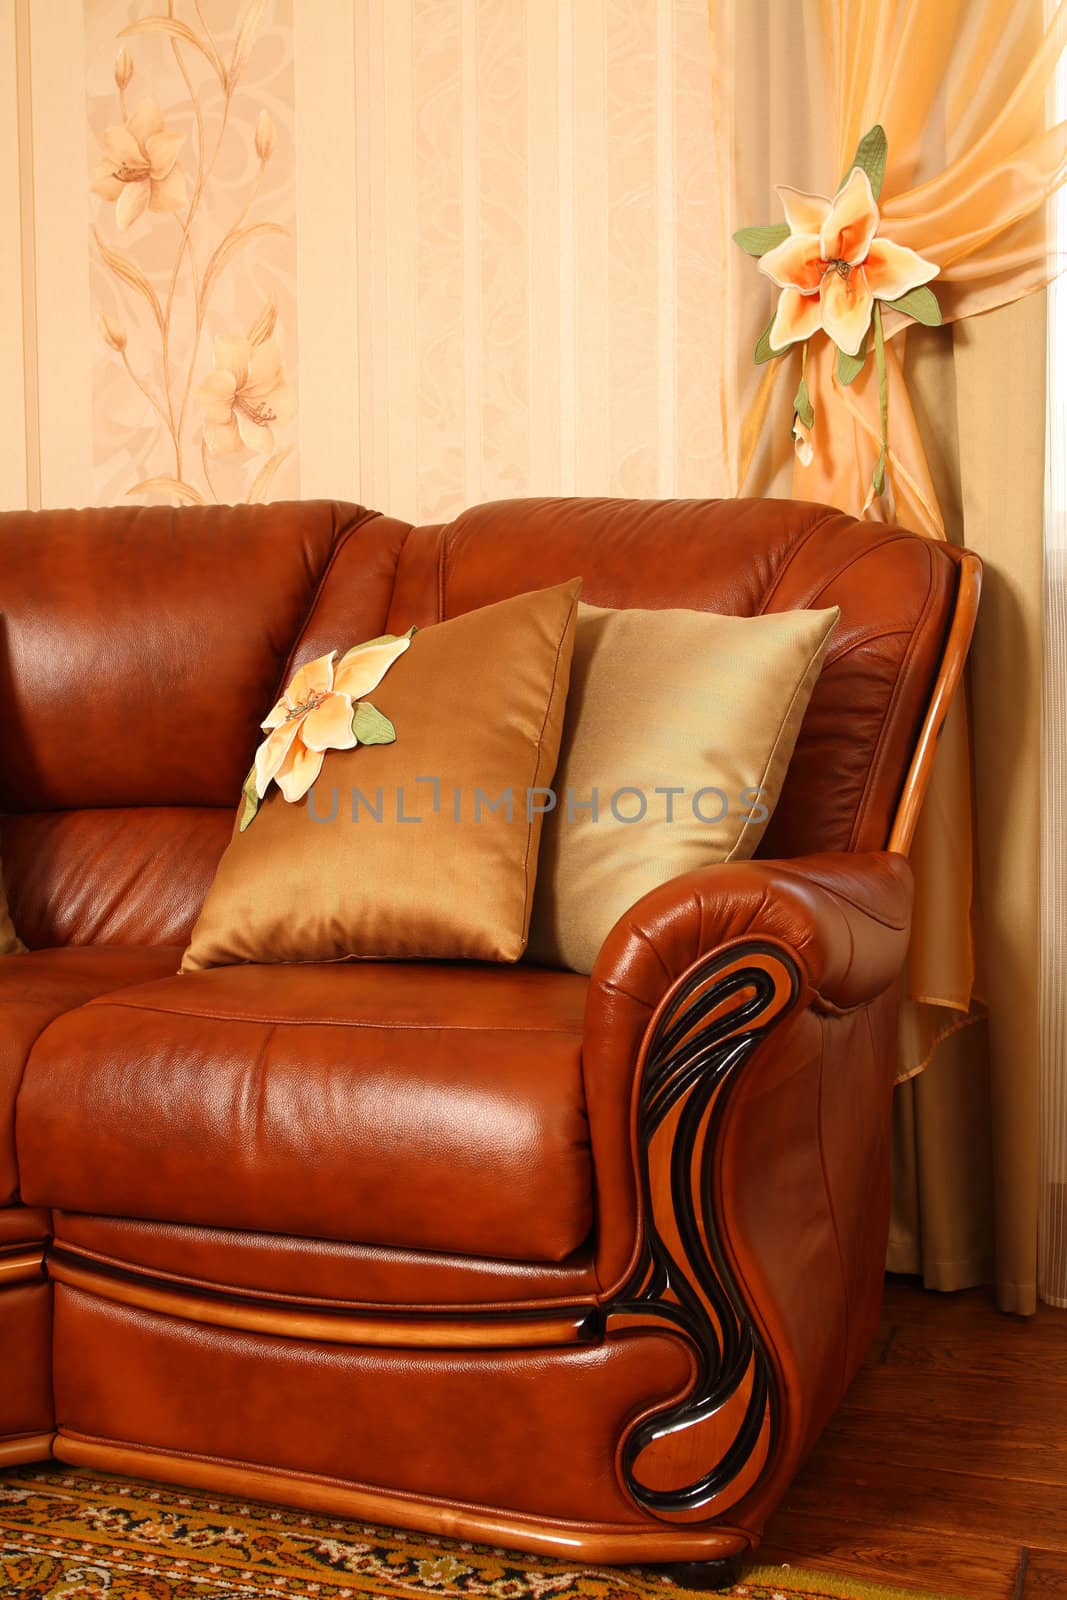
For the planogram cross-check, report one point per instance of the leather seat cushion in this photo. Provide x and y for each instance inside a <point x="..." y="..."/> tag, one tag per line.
<point x="36" y="988"/>
<point x="419" y="1106"/>
<point x="315" y="1272"/>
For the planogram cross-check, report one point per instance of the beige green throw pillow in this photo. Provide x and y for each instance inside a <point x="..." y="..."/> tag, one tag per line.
<point x="679" y="730"/>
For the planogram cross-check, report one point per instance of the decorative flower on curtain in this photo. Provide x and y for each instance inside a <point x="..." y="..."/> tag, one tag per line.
<point x="963" y="91"/>
<point x="322" y="709"/>
<point x="832" y="268"/>
<point x="835" y="272"/>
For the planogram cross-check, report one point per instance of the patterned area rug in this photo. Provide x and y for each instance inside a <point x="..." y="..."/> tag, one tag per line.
<point x="67" y="1533"/>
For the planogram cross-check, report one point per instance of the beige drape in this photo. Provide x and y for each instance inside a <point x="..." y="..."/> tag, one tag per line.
<point x="966" y="1178"/>
<point x="966" y="1152"/>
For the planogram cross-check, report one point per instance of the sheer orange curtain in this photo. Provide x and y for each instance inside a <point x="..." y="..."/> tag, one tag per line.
<point x="960" y="88"/>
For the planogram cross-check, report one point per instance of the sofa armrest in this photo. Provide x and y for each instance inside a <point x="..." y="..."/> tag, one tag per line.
<point x="738" y="1062"/>
<point x="842" y="921"/>
<point x="845" y="917"/>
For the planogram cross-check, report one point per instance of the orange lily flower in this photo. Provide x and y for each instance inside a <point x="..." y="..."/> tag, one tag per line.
<point x="833" y="266"/>
<point x="315" y="715"/>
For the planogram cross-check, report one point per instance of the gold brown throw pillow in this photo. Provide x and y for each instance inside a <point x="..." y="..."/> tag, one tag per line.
<point x="10" y="944"/>
<point x="424" y="847"/>
<point x="679" y="730"/>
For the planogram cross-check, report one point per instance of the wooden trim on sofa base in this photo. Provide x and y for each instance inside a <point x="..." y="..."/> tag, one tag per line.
<point x="22" y="1448"/>
<point x="385" y="1508"/>
<point x="522" y="1330"/>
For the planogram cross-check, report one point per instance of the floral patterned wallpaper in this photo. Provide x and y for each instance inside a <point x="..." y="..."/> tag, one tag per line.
<point x="415" y="253"/>
<point x="192" y="249"/>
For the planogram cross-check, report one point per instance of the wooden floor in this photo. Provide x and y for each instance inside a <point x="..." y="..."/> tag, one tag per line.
<point x="946" y="1468"/>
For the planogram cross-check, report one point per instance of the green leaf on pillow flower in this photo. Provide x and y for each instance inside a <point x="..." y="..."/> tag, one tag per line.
<point x="251" y="799"/>
<point x="871" y="155"/>
<point x="383" y="638"/>
<point x="757" y="241"/>
<point x="921" y="304"/>
<point x="802" y="405"/>
<point x="370" y="726"/>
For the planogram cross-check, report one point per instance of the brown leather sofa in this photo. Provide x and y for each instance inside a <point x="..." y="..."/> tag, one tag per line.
<point x="573" y="1265"/>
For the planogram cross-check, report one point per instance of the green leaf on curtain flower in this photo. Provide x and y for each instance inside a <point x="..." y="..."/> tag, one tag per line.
<point x="921" y="304"/>
<point x="883" y="398"/>
<point x="802" y="405"/>
<point x="763" y="345"/>
<point x="757" y="241"/>
<point x="251" y="799"/>
<point x="850" y="367"/>
<point x="371" y="727"/>
<point x="871" y="156"/>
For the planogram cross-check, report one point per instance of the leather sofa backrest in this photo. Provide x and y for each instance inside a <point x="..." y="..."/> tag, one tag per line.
<point x="139" y="650"/>
<point x="896" y="592"/>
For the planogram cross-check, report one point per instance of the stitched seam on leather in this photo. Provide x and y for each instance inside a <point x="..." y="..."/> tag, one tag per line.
<point x="903" y="675"/>
<point x="862" y="643"/>
<point x="442" y="565"/>
<point x="165" y="1277"/>
<point x="870" y="1032"/>
<point x="860" y="555"/>
<point x="610" y="986"/>
<point x="335" y="1022"/>
<point x="41" y="1031"/>
<point x="808" y="878"/>
<point x="594" y="1230"/>
<point x="528" y="888"/>
<point x="846" y="920"/>
<point x="826" y="1185"/>
<point x="801" y="544"/>
<point x="852" y="560"/>
<point x="396" y="575"/>
<point x="339" y="545"/>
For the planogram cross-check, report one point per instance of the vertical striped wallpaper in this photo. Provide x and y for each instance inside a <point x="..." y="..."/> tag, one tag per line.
<point x="1052" y="1072"/>
<point x="500" y="271"/>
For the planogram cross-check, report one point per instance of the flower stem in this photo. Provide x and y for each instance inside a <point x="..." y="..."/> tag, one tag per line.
<point x="146" y="391"/>
<point x="201" y="304"/>
<point x="204" y="170"/>
<point x="207" y="474"/>
<point x="883" y="399"/>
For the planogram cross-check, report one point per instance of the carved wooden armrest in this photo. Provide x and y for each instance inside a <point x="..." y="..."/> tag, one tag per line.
<point x="723" y="973"/>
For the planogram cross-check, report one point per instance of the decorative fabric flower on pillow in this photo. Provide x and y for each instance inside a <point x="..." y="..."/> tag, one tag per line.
<point x="322" y="709"/>
<point x="835" y="273"/>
